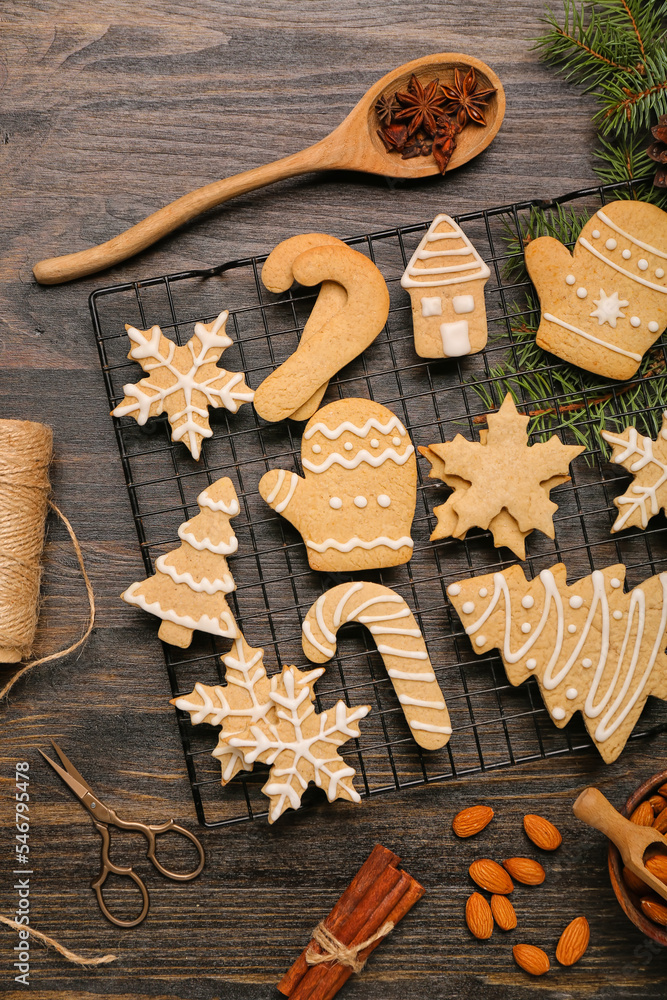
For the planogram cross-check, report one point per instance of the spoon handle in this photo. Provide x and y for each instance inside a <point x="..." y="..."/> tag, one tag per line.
<point x="597" y="811"/>
<point x="56" y="270"/>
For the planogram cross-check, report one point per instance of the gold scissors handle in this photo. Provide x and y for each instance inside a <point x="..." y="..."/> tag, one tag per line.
<point x="108" y="867"/>
<point x="151" y="833"/>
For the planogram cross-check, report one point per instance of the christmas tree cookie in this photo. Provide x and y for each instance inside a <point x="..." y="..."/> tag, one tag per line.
<point x="188" y="590"/>
<point x="593" y="648"/>
<point x="183" y="381"/>
<point x="605" y="304"/>
<point x="647" y="461"/>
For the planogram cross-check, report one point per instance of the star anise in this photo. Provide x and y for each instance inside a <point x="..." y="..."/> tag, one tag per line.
<point x="385" y="107"/>
<point x="444" y="142"/>
<point x="394" y="137"/>
<point x="420" y="106"/>
<point x="464" y="100"/>
<point x="421" y="145"/>
<point x="658" y="151"/>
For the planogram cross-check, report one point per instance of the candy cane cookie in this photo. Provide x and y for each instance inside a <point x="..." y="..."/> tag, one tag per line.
<point x="399" y="641"/>
<point x="341" y="338"/>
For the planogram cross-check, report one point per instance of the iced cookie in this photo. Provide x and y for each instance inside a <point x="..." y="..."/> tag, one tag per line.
<point x="355" y="505"/>
<point x="604" y="305"/>
<point x="446" y="278"/>
<point x="339" y="340"/>
<point x="188" y="590"/>
<point x="593" y="648"/>
<point x="183" y="381"/>
<point x="400" y="643"/>
<point x="647" y="461"/>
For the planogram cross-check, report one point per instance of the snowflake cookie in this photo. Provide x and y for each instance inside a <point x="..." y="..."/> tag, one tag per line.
<point x="501" y="482"/>
<point x="647" y="461"/>
<point x="183" y="381"/>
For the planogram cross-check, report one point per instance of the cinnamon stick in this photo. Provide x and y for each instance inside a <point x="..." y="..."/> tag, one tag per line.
<point x="377" y="862"/>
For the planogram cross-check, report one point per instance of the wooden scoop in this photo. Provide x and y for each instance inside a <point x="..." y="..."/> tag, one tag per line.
<point x="354" y="145"/>
<point x="632" y="840"/>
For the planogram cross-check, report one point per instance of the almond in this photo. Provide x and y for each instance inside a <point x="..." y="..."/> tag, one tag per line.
<point x="531" y="959"/>
<point x="478" y="916"/>
<point x="643" y="814"/>
<point x="658" y="803"/>
<point x="542" y="833"/>
<point x="657" y="865"/>
<point x="573" y="941"/>
<point x="472" y="820"/>
<point x="662" y="790"/>
<point x="525" y="870"/>
<point x="503" y="913"/>
<point x="633" y="882"/>
<point x="660" y="821"/>
<point x="490" y="876"/>
<point x="655" y="911"/>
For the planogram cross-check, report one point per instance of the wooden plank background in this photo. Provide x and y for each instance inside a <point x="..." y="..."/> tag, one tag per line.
<point x="108" y="110"/>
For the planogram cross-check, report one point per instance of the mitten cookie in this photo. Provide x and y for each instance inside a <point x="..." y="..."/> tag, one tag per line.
<point x="446" y="278"/>
<point x="183" y="381"/>
<point x="188" y="590"/>
<point x="592" y="648"/>
<point x="647" y="461"/>
<point x="604" y="305"/>
<point x="339" y="340"/>
<point x="355" y="505"/>
<point x="399" y="641"/>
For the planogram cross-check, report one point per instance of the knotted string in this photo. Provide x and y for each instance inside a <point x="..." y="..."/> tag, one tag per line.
<point x="50" y="942"/>
<point x="335" y="951"/>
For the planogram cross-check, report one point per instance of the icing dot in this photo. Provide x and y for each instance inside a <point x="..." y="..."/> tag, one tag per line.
<point x="586" y="662"/>
<point x="480" y="640"/>
<point x="558" y="713"/>
<point x="454" y="590"/>
<point x="653" y="326"/>
<point x="571" y="693"/>
<point x="576" y="601"/>
<point x="570" y="279"/>
<point x="596" y="234"/>
<point x="375" y="443"/>
<point x="468" y="608"/>
<point x="483" y="592"/>
<point x="611" y="244"/>
<point x="659" y="273"/>
<point x="317" y="448"/>
<point x="527" y="601"/>
<point x="531" y="664"/>
<point x="360" y="501"/>
<point x="617" y="615"/>
<point x="525" y="628"/>
<point x="615" y="582"/>
<point x="348" y="446"/>
<point x="635" y="321"/>
<point x="626" y="255"/>
<point x="384" y="500"/>
<point x="642" y="264"/>
<point x="395" y="441"/>
<point x="572" y="629"/>
<point x="581" y="293"/>
<point x="336" y="503"/>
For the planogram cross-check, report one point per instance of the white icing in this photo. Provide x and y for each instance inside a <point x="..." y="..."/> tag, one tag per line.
<point x="396" y="441"/>
<point x="483" y="592"/>
<point x="348" y="446"/>
<point x="317" y="448"/>
<point x="617" y="615"/>
<point x="615" y="582"/>
<point x="480" y="640"/>
<point x="455" y="339"/>
<point x="531" y="664"/>
<point x="336" y="503"/>
<point x="609" y="308"/>
<point x="589" y="336"/>
<point x="221" y="549"/>
<point x="231" y="508"/>
<point x="360" y="502"/>
<point x="525" y="628"/>
<point x="572" y="629"/>
<point x="280" y="507"/>
<point x="225" y="585"/>
<point x="308" y="632"/>
<point x="463" y="304"/>
<point x="383" y="500"/>
<point x="427" y="677"/>
<point x="444" y="275"/>
<point x="430" y="727"/>
<point x="626" y="255"/>
<point x="642" y="264"/>
<point x="611" y="244"/>
<point x="359" y="543"/>
<point x="617" y="267"/>
<point x="633" y="239"/>
<point x="659" y="272"/>
<point x="653" y="326"/>
<point x="570" y="279"/>
<point x="276" y="489"/>
<point x="347" y="427"/>
<point x="586" y="662"/>
<point x="374" y="443"/>
<point x="558" y="713"/>
<point x="526" y="602"/>
<point x="388" y="455"/>
<point x="406" y="699"/>
<point x="576" y="601"/>
<point x="468" y="608"/>
<point x="635" y="321"/>
<point x="596" y="234"/>
<point x="223" y="625"/>
<point x="454" y="589"/>
<point x="582" y="293"/>
<point x="409" y="654"/>
<point x="571" y="693"/>
<point x="431" y="305"/>
<point x="644" y="498"/>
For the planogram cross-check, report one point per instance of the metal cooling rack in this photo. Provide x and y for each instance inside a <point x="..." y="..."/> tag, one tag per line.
<point x="494" y="725"/>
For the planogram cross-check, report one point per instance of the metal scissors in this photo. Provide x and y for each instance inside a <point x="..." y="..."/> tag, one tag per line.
<point x="103" y="817"/>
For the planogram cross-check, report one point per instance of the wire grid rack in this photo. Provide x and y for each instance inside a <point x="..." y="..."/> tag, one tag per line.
<point x="494" y="724"/>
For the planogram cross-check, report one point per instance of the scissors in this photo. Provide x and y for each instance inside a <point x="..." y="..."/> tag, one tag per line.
<point x="103" y="817"/>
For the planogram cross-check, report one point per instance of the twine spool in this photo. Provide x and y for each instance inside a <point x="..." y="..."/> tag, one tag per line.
<point x="25" y="454"/>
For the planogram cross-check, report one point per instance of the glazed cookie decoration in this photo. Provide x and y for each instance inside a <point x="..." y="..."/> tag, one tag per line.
<point x="300" y="744"/>
<point x="647" y="461"/>
<point x="446" y="278"/>
<point x="339" y="340"/>
<point x="604" y="305"/>
<point x="593" y="648"/>
<point x="400" y="643"/>
<point x="501" y="483"/>
<point x="189" y="588"/>
<point x="277" y="276"/>
<point x="183" y="381"/>
<point x="355" y="505"/>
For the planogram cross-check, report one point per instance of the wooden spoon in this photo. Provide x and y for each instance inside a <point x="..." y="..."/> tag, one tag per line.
<point x="632" y="840"/>
<point x="354" y="145"/>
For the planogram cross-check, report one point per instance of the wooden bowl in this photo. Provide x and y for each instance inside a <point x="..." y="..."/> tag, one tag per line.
<point x="627" y="899"/>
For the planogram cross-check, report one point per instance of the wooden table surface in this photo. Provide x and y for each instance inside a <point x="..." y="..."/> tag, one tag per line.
<point x="109" y="109"/>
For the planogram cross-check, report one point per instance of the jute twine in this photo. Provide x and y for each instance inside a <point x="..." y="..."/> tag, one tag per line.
<point x="335" y="951"/>
<point x="50" y="942"/>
